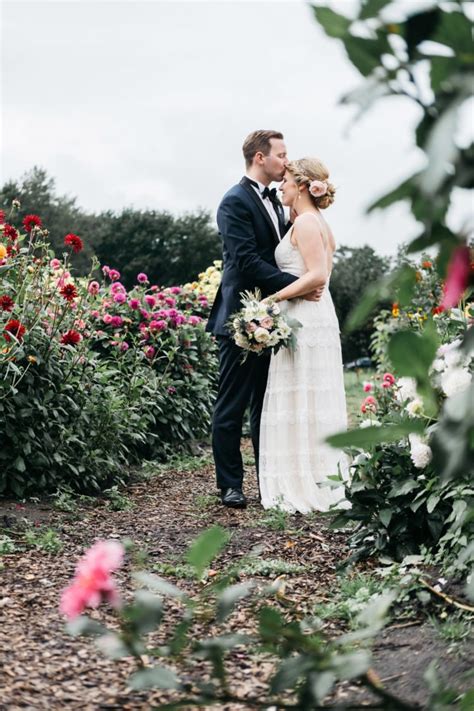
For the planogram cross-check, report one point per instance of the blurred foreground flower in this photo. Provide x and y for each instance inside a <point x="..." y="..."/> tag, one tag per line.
<point x="458" y="277"/>
<point x="93" y="582"/>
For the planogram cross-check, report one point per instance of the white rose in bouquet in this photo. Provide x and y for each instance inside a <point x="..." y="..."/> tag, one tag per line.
<point x="261" y="335"/>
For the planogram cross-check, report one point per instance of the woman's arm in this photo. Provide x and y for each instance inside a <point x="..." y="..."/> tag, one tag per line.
<point x="310" y="243"/>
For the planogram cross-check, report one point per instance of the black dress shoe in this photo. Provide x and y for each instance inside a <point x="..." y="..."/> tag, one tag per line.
<point x="233" y="498"/>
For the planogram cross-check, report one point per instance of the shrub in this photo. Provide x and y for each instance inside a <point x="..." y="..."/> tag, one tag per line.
<point x="94" y="377"/>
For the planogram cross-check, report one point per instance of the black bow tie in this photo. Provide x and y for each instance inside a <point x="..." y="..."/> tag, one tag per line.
<point x="271" y="194"/>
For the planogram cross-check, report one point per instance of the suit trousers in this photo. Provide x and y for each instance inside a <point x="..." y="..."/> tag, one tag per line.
<point x="240" y="384"/>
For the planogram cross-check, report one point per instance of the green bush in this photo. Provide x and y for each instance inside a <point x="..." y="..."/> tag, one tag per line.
<point x="94" y="378"/>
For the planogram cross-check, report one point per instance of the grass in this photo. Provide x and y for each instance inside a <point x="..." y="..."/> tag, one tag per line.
<point x="275" y="518"/>
<point x="454" y="629"/>
<point x="349" y="600"/>
<point x="46" y="540"/>
<point x="354" y="394"/>
<point x="7" y="545"/>
<point x="270" y="567"/>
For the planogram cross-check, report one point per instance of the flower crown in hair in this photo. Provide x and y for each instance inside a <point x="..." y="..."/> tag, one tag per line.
<point x="317" y="188"/>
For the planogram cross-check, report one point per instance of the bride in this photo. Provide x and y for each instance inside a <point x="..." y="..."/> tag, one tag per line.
<point x="305" y="399"/>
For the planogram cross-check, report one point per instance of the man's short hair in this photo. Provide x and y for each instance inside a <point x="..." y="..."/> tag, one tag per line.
<point x="256" y="142"/>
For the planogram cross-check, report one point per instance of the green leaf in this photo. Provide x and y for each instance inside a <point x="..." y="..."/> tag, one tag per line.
<point x="364" y="53"/>
<point x="113" y="646"/>
<point x="321" y="683"/>
<point x="412" y="353"/>
<point x="441" y="148"/>
<point x="230" y="597"/>
<point x="154" y="582"/>
<point x="146" y="612"/>
<point x="402" y="192"/>
<point x="270" y="622"/>
<point x="455" y="31"/>
<point x="467" y="701"/>
<point x="432" y="502"/>
<point x="351" y="665"/>
<point x="19" y="464"/>
<point x="375" y="613"/>
<point x="467" y="344"/>
<point x="368" y="436"/>
<point x="371" y="8"/>
<point x="385" y="515"/>
<point x="442" y="68"/>
<point x="155" y="678"/>
<point x="289" y="672"/>
<point x="205" y="548"/>
<point x="84" y="626"/>
<point x="333" y="24"/>
<point x="438" y="234"/>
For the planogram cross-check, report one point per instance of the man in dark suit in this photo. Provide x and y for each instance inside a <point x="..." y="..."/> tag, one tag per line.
<point x="251" y="223"/>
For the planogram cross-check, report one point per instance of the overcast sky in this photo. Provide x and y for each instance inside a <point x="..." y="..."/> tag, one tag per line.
<point x="147" y="103"/>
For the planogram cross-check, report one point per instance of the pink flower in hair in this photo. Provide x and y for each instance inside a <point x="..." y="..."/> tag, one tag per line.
<point x="317" y="188"/>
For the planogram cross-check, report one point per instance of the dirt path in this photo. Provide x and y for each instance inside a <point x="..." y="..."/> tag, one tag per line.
<point x="42" y="667"/>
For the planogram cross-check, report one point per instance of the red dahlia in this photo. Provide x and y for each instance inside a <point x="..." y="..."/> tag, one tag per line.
<point x="75" y="242"/>
<point x="10" y="232"/>
<point x="31" y="221"/>
<point x="15" y="328"/>
<point x="71" y="338"/>
<point x="2" y="217"/>
<point x="11" y="249"/>
<point x="6" y="303"/>
<point x="69" y="292"/>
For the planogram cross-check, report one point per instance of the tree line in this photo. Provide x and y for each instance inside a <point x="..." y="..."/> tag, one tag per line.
<point x="172" y="249"/>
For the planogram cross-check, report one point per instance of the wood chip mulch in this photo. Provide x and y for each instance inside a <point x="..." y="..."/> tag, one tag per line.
<point x="43" y="668"/>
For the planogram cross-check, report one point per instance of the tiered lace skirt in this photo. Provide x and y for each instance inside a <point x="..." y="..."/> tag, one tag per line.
<point x="304" y="403"/>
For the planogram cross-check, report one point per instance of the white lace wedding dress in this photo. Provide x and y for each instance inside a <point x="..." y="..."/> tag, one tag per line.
<point x="304" y="403"/>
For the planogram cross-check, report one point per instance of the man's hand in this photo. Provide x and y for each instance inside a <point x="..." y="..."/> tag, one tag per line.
<point x="314" y="295"/>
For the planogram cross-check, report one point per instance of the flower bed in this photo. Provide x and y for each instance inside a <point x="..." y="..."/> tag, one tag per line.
<point x="399" y="502"/>
<point x="95" y="377"/>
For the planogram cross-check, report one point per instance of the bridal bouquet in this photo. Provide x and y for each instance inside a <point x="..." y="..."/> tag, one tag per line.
<point x="260" y="325"/>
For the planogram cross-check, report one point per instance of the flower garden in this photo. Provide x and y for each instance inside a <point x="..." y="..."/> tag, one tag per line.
<point x="125" y="583"/>
<point x="95" y="378"/>
<point x="99" y="380"/>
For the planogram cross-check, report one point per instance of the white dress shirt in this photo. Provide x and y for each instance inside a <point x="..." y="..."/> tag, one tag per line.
<point x="267" y="202"/>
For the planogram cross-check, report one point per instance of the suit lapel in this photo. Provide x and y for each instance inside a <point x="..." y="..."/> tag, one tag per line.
<point x="258" y="202"/>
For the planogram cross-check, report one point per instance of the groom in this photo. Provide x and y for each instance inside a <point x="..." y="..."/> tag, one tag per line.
<point x="251" y="223"/>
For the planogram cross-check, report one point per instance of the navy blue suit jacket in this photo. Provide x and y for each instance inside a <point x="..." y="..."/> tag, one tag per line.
<point x="249" y="240"/>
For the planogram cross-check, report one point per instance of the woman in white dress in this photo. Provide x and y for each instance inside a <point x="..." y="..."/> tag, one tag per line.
<point x="305" y="399"/>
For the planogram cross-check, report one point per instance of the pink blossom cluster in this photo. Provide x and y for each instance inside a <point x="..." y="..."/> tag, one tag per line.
<point x="370" y="403"/>
<point x="93" y="582"/>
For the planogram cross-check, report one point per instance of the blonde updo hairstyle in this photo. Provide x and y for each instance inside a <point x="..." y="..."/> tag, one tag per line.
<point x="304" y="171"/>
